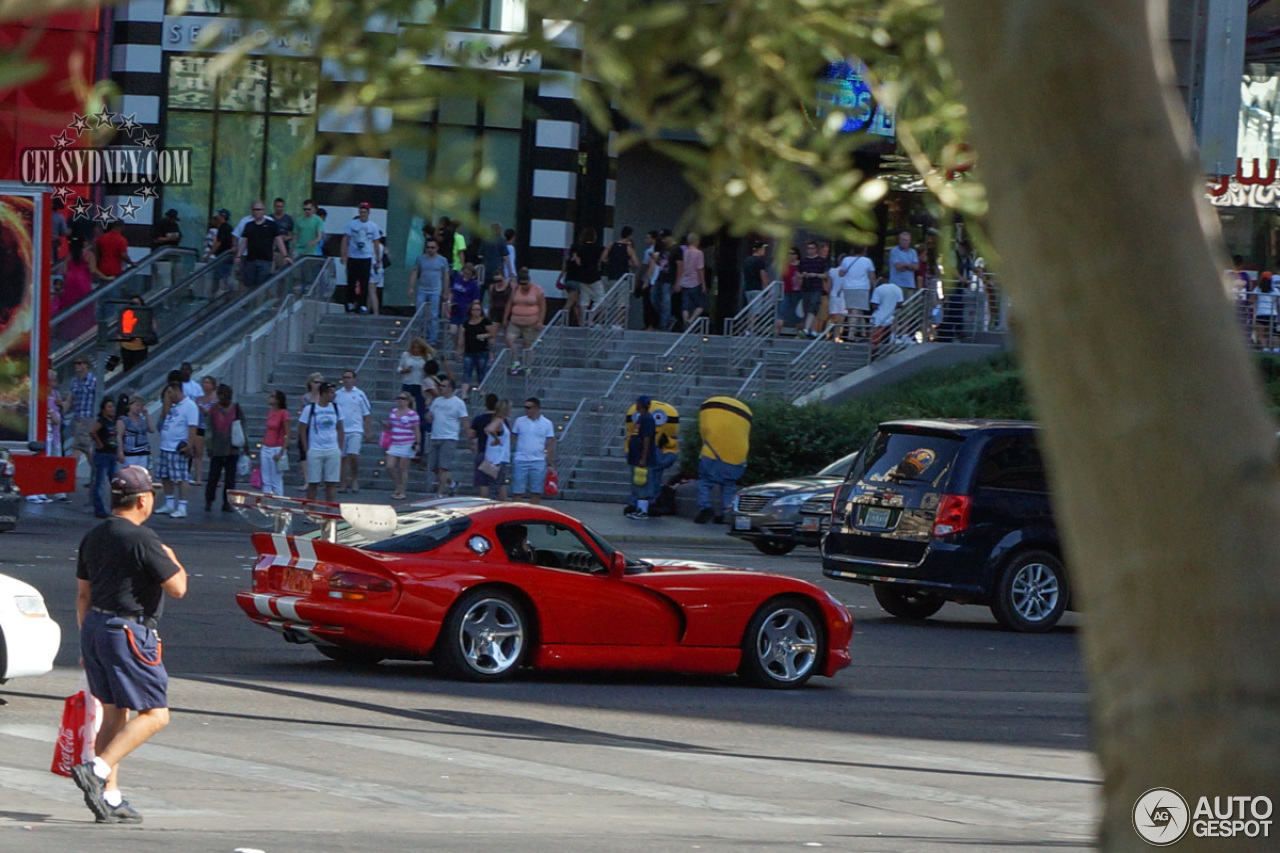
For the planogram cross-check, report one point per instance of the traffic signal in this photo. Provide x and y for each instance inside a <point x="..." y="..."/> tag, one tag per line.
<point x="136" y="321"/>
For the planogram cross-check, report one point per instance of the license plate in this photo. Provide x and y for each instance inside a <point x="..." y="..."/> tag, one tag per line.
<point x="809" y="524"/>
<point x="742" y="522"/>
<point x="875" y="517"/>
<point x="295" y="580"/>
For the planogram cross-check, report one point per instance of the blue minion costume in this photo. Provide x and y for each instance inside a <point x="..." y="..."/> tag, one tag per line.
<point x="661" y="423"/>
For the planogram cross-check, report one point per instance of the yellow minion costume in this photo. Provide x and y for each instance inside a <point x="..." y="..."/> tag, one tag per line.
<point x="725" y="424"/>
<point x="662" y="422"/>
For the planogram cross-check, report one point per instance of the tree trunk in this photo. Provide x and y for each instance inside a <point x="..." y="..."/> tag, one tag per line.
<point x="1161" y="451"/>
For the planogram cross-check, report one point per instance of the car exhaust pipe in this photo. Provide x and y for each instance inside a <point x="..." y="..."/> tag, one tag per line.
<point x="293" y="635"/>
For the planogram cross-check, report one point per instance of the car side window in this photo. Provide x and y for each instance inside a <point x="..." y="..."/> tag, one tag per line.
<point x="1013" y="462"/>
<point x="552" y="546"/>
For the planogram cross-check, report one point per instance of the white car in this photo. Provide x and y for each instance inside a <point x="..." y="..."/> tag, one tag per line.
<point x="29" y="638"/>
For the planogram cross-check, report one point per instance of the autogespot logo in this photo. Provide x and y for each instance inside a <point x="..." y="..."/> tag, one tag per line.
<point x="133" y="165"/>
<point x="1160" y="817"/>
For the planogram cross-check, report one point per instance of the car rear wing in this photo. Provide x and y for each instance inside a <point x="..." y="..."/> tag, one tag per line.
<point x="373" y="521"/>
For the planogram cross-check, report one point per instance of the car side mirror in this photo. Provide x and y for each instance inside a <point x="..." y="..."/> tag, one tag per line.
<point x="617" y="565"/>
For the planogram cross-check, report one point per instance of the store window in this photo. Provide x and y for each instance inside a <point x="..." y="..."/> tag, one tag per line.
<point x="251" y="135"/>
<point x="502" y="16"/>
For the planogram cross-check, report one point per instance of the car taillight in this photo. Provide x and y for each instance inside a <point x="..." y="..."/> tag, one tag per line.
<point x="953" y="515"/>
<point x="354" y="586"/>
<point x="835" y="502"/>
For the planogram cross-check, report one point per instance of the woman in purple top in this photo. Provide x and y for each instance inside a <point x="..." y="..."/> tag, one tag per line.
<point x="464" y="290"/>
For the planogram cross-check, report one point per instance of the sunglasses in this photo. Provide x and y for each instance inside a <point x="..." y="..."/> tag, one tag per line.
<point x="406" y="399"/>
<point x="531" y="407"/>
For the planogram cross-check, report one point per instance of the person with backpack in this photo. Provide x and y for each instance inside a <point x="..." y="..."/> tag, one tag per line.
<point x="320" y="437"/>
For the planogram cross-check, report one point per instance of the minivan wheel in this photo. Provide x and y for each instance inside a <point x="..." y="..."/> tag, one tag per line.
<point x="907" y="602"/>
<point x="1031" y="594"/>
<point x="773" y="547"/>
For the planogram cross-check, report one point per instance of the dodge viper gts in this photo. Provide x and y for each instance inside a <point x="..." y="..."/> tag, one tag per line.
<point x="483" y="589"/>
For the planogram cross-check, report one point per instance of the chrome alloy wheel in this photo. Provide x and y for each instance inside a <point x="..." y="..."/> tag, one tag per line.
<point x="491" y="636"/>
<point x="1034" y="592"/>
<point x="787" y="644"/>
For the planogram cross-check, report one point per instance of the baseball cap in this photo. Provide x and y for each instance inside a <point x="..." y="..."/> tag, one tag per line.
<point x="172" y="213"/>
<point x="665" y="232"/>
<point x="132" y="480"/>
<point x="222" y="211"/>
<point x="757" y="245"/>
<point x="327" y="386"/>
<point x="643" y="400"/>
<point x="365" y="205"/>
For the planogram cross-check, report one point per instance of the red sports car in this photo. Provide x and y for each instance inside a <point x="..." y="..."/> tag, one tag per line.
<point x="484" y="588"/>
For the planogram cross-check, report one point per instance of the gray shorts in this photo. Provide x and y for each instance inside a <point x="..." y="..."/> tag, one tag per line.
<point x="440" y="453"/>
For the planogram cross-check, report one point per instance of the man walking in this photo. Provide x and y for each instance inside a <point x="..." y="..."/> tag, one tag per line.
<point x="427" y="282"/>
<point x="308" y="232"/>
<point x="535" y="452"/>
<point x="284" y="224"/>
<point x="320" y="435"/>
<point x="356" y="420"/>
<point x="813" y="281"/>
<point x="122" y="573"/>
<point x="361" y="253"/>
<point x="885" y="300"/>
<point x="178" y="420"/>
<point x="446" y="416"/>
<point x="82" y="405"/>
<point x="260" y="242"/>
<point x="693" y="281"/>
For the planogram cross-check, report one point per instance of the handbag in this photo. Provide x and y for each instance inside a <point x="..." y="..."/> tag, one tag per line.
<point x="237" y="433"/>
<point x="489" y="469"/>
<point x="384" y="441"/>
<point x="255" y="479"/>
<point x="551" y="486"/>
<point x="244" y="466"/>
<point x="639" y="476"/>
<point x="81" y="718"/>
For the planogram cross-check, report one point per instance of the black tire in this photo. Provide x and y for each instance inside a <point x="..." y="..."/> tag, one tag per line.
<point x="357" y="657"/>
<point x="907" y="602"/>
<point x="1031" y="593"/>
<point x="773" y="547"/>
<point x="782" y="646"/>
<point x="485" y="637"/>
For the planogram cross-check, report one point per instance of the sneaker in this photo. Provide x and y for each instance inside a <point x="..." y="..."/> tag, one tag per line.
<point x="88" y="782"/>
<point x="64" y="499"/>
<point x="364" y="309"/>
<point x="703" y="516"/>
<point x="453" y="487"/>
<point x="719" y="519"/>
<point x="180" y="512"/>
<point x="123" y="813"/>
<point x="163" y="509"/>
<point x="351" y="306"/>
<point x="638" y="515"/>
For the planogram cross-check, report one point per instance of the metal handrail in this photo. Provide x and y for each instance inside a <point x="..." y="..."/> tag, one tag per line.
<point x="749" y="390"/>
<point x="569" y="442"/>
<point x="607" y="316"/>
<point x="546" y="353"/>
<point x="910" y="323"/>
<point x="812" y="367"/>
<point x="205" y="339"/>
<point x="741" y="322"/>
<point x="136" y="270"/>
<point x="373" y="345"/>
<point x="755" y="323"/>
<point x="682" y="360"/>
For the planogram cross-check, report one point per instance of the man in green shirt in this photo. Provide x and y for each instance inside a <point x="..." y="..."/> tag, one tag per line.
<point x="308" y="231"/>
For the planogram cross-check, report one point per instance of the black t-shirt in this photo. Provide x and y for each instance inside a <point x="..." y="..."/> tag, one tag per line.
<point x="667" y="275"/>
<point x="478" y="425"/>
<point x="751" y="269"/>
<point x="588" y="268"/>
<point x="261" y="239"/>
<point x="163" y="229"/>
<point x="225" y="241"/>
<point x="811" y="271"/>
<point x="471" y="333"/>
<point x="106" y="432"/>
<point x="124" y="565"/>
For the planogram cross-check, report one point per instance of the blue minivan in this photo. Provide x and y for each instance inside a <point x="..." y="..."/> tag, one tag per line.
<point x="951" y="510"/>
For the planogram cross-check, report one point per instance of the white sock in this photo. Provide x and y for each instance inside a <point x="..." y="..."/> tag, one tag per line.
<point x="643" y="506"/>
<point x="182" y="505"/>
<point x="169" y="501"/>
<point x="113" y="798"/>
<point x="101" y="769"/>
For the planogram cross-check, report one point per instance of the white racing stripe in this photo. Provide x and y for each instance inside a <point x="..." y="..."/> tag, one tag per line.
<point x="287" y="605"/>
<point x="306" y="553"/>
<point x="370" y="792"/>
<point x="262" y="603"/>
<point x="693" y="798"/>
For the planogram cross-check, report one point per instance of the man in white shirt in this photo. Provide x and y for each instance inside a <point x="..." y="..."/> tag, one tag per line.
<point x="361" y="255"/>
<point x="320" y="435"/>
<point x="884" y="302"/>
<point x="904" y="263"/>
<point x="446" y="416"/>
<point x="356" y="413"/>
<point x="535" y="452"/>
<point x="177" y="442"/>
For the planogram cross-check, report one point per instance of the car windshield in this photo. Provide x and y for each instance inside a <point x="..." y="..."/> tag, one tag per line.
<point x="416" y="532"/>
<point x="906" y="457"/>
<point x="840" y="467"/>
<point x="633" y="564"/>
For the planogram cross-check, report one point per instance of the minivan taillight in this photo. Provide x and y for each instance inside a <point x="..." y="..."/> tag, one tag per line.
<point x="953" y="515"/>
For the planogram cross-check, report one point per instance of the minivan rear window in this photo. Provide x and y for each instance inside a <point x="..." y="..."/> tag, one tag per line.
<point x="922" y="459"/>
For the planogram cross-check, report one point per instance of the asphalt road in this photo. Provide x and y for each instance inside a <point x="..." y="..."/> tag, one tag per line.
<point x="944" y="735"/>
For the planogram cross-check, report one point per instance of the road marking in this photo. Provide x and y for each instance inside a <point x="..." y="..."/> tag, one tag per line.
<point x="371" y="792"/>
<point x="1012" y="812"/>
<point x="920" y="761"/>
<point x="694" y="798"/>
<point x="60" y="789"/>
